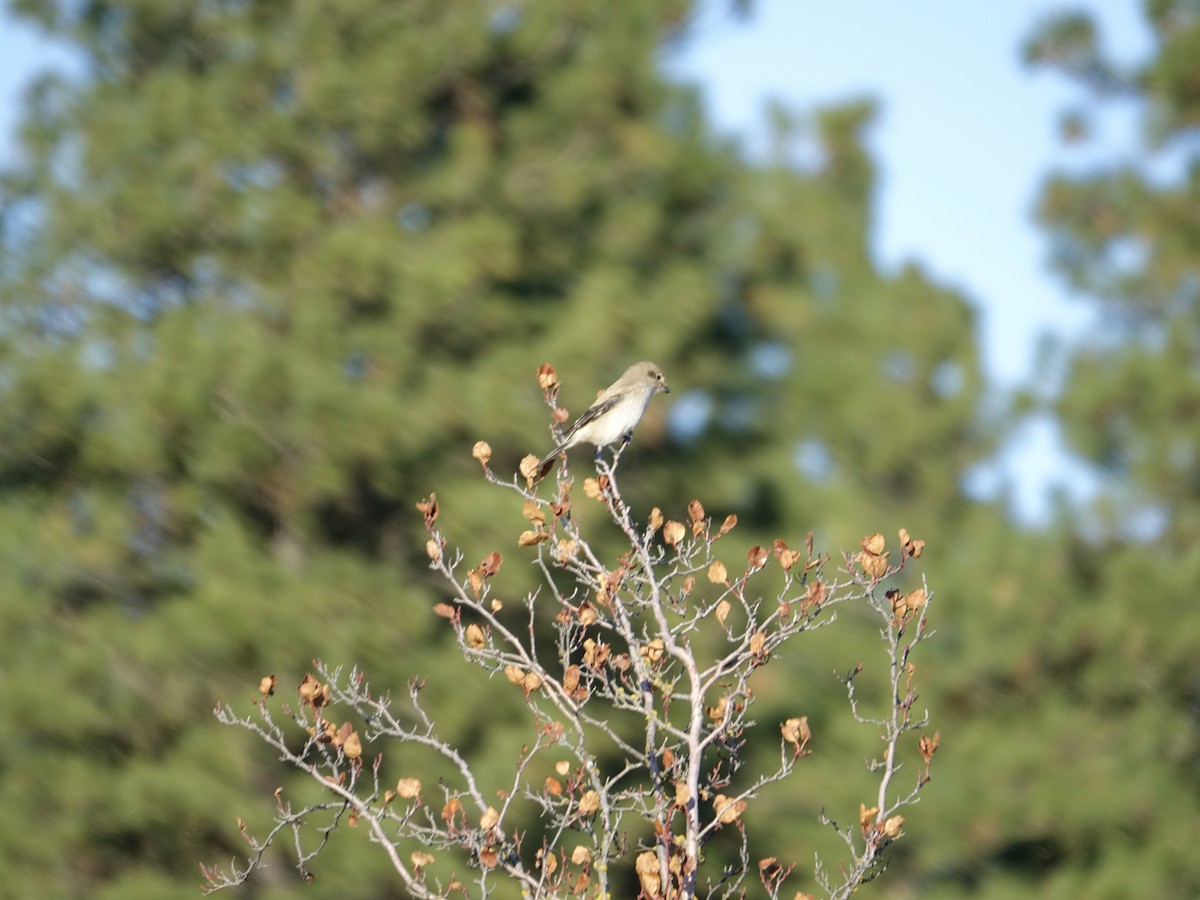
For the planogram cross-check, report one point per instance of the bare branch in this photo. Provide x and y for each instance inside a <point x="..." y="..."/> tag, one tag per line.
<point x="662" y="640"/>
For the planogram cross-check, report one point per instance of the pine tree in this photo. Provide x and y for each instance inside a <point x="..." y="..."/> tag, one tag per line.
<point x="1084" y="649"/>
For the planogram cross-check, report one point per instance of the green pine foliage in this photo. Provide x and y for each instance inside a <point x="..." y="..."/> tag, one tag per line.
<point x="1086" y="654"/>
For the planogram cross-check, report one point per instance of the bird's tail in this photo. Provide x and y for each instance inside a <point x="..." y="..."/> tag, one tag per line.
<point x="546" y="463"/>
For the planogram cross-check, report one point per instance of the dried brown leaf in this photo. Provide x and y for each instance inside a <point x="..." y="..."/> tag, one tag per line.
<point x="647" y="861"/>
<point x="928" y="746"/>
<point x="873" y="565"/>
<point x="312" y="692"/>
<point x="531" y="682"/>
<point x="796" y="731"/>
<point x="532" y="538"/>
<point x="528" y="467"/>
<point x="547" y="378"/>
<point x="728" y="810"/>
<point x="491" y="564"/>
<point x="682" y="793"/>
<point x="873" y="544"/>
<point x="589" y="803"/>
<point x="429" y="507"/>
<point x="815" y="594"/>
<point x="673" y="532"/>
<point x="913" y="548"/>
<point x="866" y="816"/>
<point x="717" y="713"/>
<point x="408" y="788"/>
<point x="654" y="651"/>
<point x="758" y="643"/>
<point x="756" y="556"/>
<point x="452" y="809"/>
<point x="571" y="679"/>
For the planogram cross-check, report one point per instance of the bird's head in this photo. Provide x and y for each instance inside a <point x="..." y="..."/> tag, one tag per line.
<point x="653" y="374"/>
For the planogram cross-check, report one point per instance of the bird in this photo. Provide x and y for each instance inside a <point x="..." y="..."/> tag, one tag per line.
<point x="612" y="418"/>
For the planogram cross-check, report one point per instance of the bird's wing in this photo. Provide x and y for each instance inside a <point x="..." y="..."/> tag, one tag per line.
<point x="593" y="412"/>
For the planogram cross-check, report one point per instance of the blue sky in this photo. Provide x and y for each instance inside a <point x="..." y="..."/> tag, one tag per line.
<point x="964" y="139"/>
<point x="965" y="136"/>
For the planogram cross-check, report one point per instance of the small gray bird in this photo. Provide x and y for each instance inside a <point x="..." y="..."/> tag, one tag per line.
<point x="614" y="414"/>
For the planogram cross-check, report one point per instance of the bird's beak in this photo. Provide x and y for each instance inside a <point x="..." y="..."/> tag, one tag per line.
<point x="666" y="388"/>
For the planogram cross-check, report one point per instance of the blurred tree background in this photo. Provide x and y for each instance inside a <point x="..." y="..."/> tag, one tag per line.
<point x="268" y="269"/>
